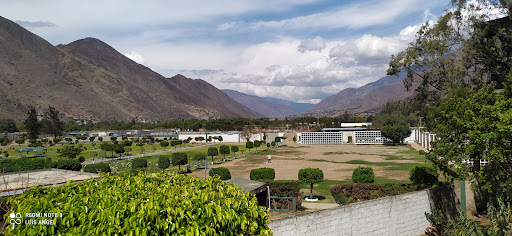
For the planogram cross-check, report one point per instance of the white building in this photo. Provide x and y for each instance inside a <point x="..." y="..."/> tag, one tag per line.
<point x="356" y="134"/>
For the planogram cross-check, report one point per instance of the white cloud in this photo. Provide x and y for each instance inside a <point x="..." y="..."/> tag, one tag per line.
<point x="355" y="16"/>
<point x="135" y="56"/>
<point x="314" y="44"/>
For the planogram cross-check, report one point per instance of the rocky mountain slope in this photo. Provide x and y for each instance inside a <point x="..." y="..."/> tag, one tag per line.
<point x="260" y="106"/>
<point x="364" y="100"/>
<point x="89" y="79"/>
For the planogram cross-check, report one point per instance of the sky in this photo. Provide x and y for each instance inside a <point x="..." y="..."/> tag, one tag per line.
<point x="297" y="50"/>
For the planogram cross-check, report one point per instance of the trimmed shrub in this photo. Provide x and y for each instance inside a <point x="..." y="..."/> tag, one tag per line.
<point x="311" y="176"/>
<point x="179" y="158"/>
<point x="97" y="168"/>
<point x="421" y="152"/>
<point x="81" y="159"/>
<point x="423" y="175"/>
<point x="67" y="164"/>
<point x="23" y="164"/>
<point x="222" y="172"/>
<point x="139" y="163"/>
<point x="263" y="174"/>
<point x="163" y="162"/>
<point x="363" y="175"/>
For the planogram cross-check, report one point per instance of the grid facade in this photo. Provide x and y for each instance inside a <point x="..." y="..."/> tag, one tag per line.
<point x="370" y="137"/>
<point x="322" y="138"/>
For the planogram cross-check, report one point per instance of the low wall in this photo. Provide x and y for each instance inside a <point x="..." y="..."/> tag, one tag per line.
<point x="396" y="215"/>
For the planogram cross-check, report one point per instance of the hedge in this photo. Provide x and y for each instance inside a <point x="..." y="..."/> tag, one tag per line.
<point x="69" y="164"/>
<point x="349" y="193"/>
<point x="139" y="163"/>
<point x="263" y="173"/>
<point x="363" y="175"/>
<point x="285" y="188"/>
<point x="145" y="204"/>
<point x="23" y="164"/>
<point x="222" y="172"/>
<point x="97" y="168"/>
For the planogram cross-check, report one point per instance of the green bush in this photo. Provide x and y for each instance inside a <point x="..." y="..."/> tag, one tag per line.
<point x="81" y="159"/>
<point x="163" y="162"/>
<point x="422" y="152"/>
<point x="67" y="164"/>
<point x="222" y="172"/>
<point x="97" y="168"/>
<point x="148" y="200"/>
<point x="263" y="174"/>
<point x="178" y="159"/>
<point x="22" y="164"/>
<point x="363" y="175"/>
<point x="139" y="163"/>
<point x="423" y="175"/>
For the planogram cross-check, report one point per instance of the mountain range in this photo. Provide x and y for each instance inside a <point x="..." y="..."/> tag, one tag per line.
<point x="268" y="107"/>
<point x="89" y="79"/>
<point x="365" y="100"/>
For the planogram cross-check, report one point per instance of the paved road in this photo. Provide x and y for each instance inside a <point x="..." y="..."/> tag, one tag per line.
<point x="144" y="154"/>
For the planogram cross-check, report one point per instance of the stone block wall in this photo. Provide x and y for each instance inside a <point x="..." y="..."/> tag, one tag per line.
<point x="395" y="215"/>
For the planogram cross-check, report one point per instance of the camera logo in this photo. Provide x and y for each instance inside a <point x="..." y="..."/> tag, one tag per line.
<point x="15" y="219"/>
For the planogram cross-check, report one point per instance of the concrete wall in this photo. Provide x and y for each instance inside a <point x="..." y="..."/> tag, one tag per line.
<point x="396" y="215"/>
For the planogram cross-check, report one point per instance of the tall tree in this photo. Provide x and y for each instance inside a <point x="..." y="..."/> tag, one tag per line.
<point x="396" y="128"/>
<point x="8" y="126"/>
<point x="475" y="126"/>
<point x="32" y="124"/>
<point x="458" y="50"/>
<point x="51" y="122"/>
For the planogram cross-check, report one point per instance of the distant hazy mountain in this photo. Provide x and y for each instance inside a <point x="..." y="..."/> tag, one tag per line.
<point x="89" y="79"/>
<point x="367" y="99"/>
<point x="296" y="107"/>
<point x="268" y="107"/>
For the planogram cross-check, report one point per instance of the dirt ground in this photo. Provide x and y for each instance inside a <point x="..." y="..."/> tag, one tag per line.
<point x="287" y="161"/>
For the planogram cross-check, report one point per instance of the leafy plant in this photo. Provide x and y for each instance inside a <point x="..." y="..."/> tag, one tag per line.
<point x="363" y="175"/>
<point x="145" y="204"/>
<point x="222" y="172"/>
<point x="67" y="164"/>
<point x="139" y="163"/>
<point x="423" y="175"/>
<point x="213" y="151"/>
<point x="179" y="158"/>
<point x="163" y="162"/>
<point x="224" y="150"/>
<point x="263" y="174"/>
<point x="97" y="168"/>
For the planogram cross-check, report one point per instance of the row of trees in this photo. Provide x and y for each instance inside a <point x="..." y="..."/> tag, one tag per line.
<point x="238" y="124"/>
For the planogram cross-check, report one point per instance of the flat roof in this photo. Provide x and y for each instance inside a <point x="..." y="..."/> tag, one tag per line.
<point x="249" y="185"/>
<point x="343" y="129"/>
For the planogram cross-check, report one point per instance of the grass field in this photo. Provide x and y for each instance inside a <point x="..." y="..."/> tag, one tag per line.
<point x="391" y="164"/>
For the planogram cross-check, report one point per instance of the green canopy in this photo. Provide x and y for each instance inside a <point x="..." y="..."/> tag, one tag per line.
<point x="31" y="149"/>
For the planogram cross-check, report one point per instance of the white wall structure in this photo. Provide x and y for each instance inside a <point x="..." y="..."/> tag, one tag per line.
<point x="370" y="137"/>
<point x="321" y="138"/>
<point x="346" y="125"/>
<point x="397" y="215"/>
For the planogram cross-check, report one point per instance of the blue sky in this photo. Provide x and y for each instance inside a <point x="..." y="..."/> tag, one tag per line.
<point x="298" y="50"/>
